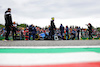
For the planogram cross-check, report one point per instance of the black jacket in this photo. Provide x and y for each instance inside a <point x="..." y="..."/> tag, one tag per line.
<point x="90" y="28"/>
<point x="8" y="19"/>
<point x="52" y="25"/>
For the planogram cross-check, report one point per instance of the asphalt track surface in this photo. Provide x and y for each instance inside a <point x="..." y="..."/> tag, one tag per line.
<point x="50" y="43"/>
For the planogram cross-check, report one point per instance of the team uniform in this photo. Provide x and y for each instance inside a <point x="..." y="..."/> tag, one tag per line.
<point x="90" y="31"/>
<point x="52" y="29"/>
<point x="8" y="23"/>
<point x="62" y="31"/>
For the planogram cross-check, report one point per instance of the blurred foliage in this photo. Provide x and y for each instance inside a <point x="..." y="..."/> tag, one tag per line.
<point x="1" y="26"/>
<point x="98" y="29"/>
<point x="22" y="25"/>
<point x="93" y="27"/>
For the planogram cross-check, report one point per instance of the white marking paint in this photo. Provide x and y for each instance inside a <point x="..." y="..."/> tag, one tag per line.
<point x="47" y="58"/>
<point x="49" y="47"/>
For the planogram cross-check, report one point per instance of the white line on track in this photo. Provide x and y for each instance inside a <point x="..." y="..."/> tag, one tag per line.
<point x="42" y="47"/>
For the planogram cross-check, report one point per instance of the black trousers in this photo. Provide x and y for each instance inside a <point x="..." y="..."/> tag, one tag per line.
<point x="14" y="33"/>
<point x="8" y="29"/>
<point x="90" y="35"/>
<point x="52" y="34"/>
<point x="78" y="35"/>
<point x="34" y="35"/>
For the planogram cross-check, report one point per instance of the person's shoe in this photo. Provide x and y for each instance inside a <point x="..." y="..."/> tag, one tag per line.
<point x="5" y="40"/>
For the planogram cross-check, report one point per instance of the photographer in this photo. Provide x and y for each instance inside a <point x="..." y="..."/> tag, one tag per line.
<point x="90" y="30"/>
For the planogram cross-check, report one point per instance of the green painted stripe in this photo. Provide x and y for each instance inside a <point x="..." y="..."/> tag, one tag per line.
<point x="51" y="50"/>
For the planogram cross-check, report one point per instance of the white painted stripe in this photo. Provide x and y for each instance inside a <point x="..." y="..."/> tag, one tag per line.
<point x="49" y="46"/>
<point x="48" y="58"/>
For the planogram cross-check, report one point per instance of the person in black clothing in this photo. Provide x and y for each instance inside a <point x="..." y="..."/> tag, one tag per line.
<point x="8" y="22"/>
<point x="67" y="33"/>
<point x="52" y="28"/>
<point x="78" y="31"/>
<point x="90" y="30"/>
<point x="62" y="30"/>
<point x="34" y="32"/>
<point x="30" y="31"/>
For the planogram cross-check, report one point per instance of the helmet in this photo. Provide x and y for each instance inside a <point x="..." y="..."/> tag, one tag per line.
<point x="52" y="18"/>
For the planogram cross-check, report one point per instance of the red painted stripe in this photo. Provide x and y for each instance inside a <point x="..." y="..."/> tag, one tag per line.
<point x="93" y="64"/>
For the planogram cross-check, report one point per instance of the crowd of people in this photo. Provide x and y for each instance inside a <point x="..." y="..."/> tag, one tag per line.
<point x="36" y="33"/>
<point x="50" y="33"/>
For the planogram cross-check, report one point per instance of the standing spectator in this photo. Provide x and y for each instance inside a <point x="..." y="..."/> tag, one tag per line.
<point x="34" y="32"/>
<point x="67" y="32"/>
<point x="73" y="34"/>
<point x="26" y="34"/>
<point x="70" y="32"/>
<point x="52" y="28"/>
<point x="62" y="30"/>
<point x="78" y="31"/>
<point x="30" y="31"/>
<point x="90" y="30"/>
<point x="8" y="22"/>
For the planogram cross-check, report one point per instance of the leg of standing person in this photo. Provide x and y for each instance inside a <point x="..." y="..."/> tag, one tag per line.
<point x="52" y="35"/>
<point x="34" y="36"/>
<point x="66" y="35"/>
<point x="29" y="36"/>
<point x="15" y="34"/>
<point x="61" y="35"/>
<point x="8" y="32"/>
<point x="7" y="35"/>
<point x="89" y="35"/>
<point x="78" y="35"/>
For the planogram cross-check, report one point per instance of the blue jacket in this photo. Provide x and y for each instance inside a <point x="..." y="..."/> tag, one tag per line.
<point x="67" y="29"/>
<point x="73" y="32"/>
<point x="33" y="30"/>
<point x="78" y="29"/>
<point x="62" y="28"/>
<point x="30" y="28"/>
